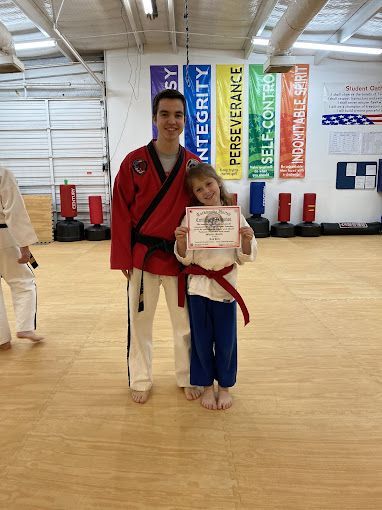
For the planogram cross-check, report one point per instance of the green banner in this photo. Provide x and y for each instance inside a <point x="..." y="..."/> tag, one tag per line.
<point x="261" y="144"/>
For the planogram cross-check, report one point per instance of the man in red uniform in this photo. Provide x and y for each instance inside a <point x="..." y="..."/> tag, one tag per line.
<point x="149" y="201"/>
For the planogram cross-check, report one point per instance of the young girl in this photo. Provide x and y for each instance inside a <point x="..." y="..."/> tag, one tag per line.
<point x="212" y="309"/>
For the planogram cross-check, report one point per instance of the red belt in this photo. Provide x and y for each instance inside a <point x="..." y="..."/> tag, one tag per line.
<point x="218" y="276"/>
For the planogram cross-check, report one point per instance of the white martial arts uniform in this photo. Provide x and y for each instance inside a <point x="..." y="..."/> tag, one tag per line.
<point x="215" y="259"/>
<point x="19" y="277"/>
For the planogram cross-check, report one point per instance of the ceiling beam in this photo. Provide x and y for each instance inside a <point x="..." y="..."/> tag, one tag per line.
<point x="133" y="24"/>
<point x="171" y="24"/>
<point x="369" y="9"/>
<point x="44" y="24"/>
<point x="259" y="21"/>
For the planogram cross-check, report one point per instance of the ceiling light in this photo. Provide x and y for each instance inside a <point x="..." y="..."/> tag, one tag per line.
<point x="343" y="48"/>
<point x="148" y="7"/>
<point x="32" y="45"/>
<point x="151" y="9"/>
<point x="258" y="41"/>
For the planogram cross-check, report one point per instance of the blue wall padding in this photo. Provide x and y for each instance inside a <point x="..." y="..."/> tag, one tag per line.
<point x="257" y="198"/>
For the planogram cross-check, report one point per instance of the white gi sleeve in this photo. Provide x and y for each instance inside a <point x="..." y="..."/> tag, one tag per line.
<point x="15" y="214"/>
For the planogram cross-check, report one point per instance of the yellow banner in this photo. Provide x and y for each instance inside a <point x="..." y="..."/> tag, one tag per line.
<point x="229" y="120"/>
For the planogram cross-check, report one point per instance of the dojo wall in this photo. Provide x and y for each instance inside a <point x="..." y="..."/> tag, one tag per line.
<point x="129" y="121"/>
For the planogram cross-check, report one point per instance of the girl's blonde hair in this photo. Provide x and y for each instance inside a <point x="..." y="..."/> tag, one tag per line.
<point x="203" y="171"/>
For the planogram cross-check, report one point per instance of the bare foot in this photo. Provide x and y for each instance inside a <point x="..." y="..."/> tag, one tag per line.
<point x="224" y="398"/>
<point x="6" y="346"/>
<point x="31" y="335"/>
<point x="140" y="397"/>
<point x="208" y="398"/>
<point x="192" y="392"/>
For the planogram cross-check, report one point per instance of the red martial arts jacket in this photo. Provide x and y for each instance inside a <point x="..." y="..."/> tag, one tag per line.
<point x="143" y="196"/>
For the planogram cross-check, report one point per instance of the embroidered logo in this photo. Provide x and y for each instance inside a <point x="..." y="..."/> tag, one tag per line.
<point x="191" y="163"/>
<point x="140" y="166"/>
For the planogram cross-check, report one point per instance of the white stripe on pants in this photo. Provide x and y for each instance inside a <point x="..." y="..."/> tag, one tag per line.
<point x="141" y="329"/>
<point x="21" y="281"/>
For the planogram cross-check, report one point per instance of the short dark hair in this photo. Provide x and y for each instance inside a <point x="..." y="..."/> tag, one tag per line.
<point x="168" y="94"/>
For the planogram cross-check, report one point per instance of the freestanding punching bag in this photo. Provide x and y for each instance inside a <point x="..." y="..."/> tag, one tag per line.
<point x="283" y="228"/>
<point x="96" y="232"/>
<point x="259" y="225"/>
<point x="308" y="228"/>
<point x="69" y="229"/>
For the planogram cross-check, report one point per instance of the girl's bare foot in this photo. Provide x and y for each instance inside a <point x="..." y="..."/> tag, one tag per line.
<point x="192" y="392"/>
<point x="140" y="397"/>
<point x="208" y="398"/>
<point x="6" y="346"/>
<point x="31" y="335"/>
<point x="224" y="398"/>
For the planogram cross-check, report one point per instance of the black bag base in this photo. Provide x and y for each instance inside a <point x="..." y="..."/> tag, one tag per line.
<point x="351" y="228"/>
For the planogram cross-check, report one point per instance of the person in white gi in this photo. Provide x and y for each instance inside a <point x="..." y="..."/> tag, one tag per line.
<point x="16" y="234"/>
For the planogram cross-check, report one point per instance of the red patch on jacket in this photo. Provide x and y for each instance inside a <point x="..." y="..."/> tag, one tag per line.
<point x="140" y="166"/>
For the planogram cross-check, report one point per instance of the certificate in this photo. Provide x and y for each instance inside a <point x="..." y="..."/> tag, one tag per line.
<point x="213" y="227"/>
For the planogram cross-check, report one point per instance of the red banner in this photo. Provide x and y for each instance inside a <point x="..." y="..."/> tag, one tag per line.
<point x="293" y="119"/>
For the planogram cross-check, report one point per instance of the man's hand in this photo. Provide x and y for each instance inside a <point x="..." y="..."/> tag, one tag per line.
<point x="126" y="273"/>
<point x="25" y="255"/>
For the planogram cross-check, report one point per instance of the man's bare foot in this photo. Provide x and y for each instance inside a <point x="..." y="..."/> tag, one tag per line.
<point x="208" y="398"/>
<point x="192" y="392"/>
<point x="140" y="397"/>
<point x="31" y="335"/>
<point x="224" y="398"/>
<point x="6" y="346"/>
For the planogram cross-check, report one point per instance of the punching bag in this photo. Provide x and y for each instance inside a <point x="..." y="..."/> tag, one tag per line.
<point x="283" y="228"/>
<point x="96" y="232"/>
<point x="260" y="225"/>
<point x="69" y="229"/>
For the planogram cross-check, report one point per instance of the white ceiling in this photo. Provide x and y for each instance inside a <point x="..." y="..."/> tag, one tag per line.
<point x="92" y="26"/>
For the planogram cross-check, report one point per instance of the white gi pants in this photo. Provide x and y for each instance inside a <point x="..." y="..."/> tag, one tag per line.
<point x="21" y="281"/>
<point x="140" y="335"/>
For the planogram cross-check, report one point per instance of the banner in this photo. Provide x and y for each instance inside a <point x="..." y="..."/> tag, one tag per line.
<point x="261" y="143"/>
<point x="349" y="104"/>
<point x="162" y="77"/>
<point x="229" y="120"/>
<point x="198" y="99"/>
<point x="293" y="119"/>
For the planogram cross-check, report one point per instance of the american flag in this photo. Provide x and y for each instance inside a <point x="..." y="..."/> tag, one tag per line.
<point x="351" y="119"/>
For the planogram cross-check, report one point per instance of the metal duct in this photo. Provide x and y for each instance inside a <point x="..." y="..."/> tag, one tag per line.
<point x="292" y="24"/>
<point x="9" y="63"/>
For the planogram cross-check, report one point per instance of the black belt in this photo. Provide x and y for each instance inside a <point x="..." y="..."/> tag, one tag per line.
<point x="153" y="244"/>
<point x="3" y="225"/>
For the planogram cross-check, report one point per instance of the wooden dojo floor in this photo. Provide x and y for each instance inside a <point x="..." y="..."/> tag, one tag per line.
<point x="305" y="430"/>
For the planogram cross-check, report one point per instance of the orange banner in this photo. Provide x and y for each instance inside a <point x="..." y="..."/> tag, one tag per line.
<point x="293" y="119"/>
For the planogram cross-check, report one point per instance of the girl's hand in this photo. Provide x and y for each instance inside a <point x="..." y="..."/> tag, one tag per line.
<point x="246" y="233"/>
<point x="180" y="233"/>
<point x="181" y="241"/>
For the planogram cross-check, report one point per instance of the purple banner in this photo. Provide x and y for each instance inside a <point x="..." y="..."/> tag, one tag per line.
<point x="162" y="77"/>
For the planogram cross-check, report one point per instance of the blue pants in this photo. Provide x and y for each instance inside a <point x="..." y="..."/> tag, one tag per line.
<point x="213" y="342"/>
